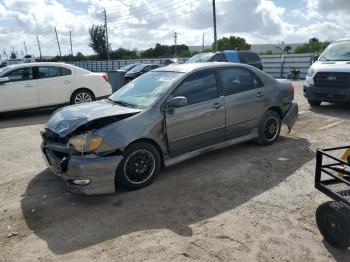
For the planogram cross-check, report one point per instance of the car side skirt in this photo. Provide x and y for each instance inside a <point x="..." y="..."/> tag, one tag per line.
<point x="175" y="160"/>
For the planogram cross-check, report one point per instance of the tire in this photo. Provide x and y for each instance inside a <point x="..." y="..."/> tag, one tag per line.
<point x="314" y="102"/>
<point x="128" y="174"/>
<point x="269" y="134"/>
<point x="333" y="221"/>
<point x="82" y="96"/>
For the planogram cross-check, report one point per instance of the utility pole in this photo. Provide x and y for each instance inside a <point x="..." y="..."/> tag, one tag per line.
<point x="25" y="47"/>
<point x="214" y="23"/>
<point x="175" y="38"/>
<point x="71" y="45"/>
<point x="58" y="43"/>
<point x="203" y="43"/>
<point x="41" y="58"/>
<point x="106" y="29"/>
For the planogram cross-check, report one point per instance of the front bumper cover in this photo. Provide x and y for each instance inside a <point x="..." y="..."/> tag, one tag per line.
<point x="100" y="170"/>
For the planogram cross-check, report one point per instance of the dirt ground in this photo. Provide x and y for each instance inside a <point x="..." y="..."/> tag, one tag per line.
<point x="242" y="203"/>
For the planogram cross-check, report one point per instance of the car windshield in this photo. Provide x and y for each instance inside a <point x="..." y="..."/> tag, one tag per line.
<point x="339" y="51"/>
<point x="137" y="68"/>
<point x="200" y="58"/>
<point x="3" y="70"/>
<point x="146" y="89"/>
<point x="127" y="67"/>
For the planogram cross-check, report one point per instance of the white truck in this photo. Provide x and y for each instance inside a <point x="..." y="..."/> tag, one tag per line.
<point x="328" y="79"/>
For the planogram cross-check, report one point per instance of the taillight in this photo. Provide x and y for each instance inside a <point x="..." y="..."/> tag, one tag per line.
<point x="291" y="88"/>
<point x="105" y="77"/>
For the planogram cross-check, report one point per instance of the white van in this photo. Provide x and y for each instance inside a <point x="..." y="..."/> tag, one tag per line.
<point x="328" y="79"/>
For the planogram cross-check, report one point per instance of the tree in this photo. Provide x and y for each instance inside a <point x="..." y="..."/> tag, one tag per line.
<point x="98" y="40"/>
<point x="13" y="56"/>
<point x="287" y="49"/>
<point x="267" y="52"/>
<point x="313" y="46"/>
<point x="232" y="43"/>
<point x="160" y="50"/>
<point x="122" y="53"/>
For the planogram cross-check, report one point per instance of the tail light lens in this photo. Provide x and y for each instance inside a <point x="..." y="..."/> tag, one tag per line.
<point x="291" y="88"/>
<point x="105" y="77"/>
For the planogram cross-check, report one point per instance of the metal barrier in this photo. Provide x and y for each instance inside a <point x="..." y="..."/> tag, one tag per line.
<point x="276" y="65"/>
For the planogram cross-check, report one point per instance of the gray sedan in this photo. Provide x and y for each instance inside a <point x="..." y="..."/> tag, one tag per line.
<point x="163" y="117"/>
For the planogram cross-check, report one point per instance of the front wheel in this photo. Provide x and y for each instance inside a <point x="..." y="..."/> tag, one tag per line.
<point x="269" y="128"/>
<point x="139" y="167"/>
<point x="333" y="221"/>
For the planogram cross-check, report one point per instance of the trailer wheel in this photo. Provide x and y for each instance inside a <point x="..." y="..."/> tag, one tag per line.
<point x="333" y="221"/>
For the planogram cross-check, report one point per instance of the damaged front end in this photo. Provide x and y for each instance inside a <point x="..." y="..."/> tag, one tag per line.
<point x="73" y="150"/>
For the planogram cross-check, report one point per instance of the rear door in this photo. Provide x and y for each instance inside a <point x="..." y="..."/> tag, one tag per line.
<point x="54" y="84"/>
<point x="245" y="100"/>
<point x="20" y="91"/>
<point x="202" y="122"/>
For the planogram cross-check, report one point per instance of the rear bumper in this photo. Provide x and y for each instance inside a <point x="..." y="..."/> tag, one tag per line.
<point x="98" y="171"/>
<point x="291" y="116"/>
<point x="336" y="95"/>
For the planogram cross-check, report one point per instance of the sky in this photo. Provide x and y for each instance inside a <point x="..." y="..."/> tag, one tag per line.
<point x="141" y="24"/>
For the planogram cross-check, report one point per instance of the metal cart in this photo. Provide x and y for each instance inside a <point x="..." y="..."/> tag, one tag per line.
<point x="332" y="177"/>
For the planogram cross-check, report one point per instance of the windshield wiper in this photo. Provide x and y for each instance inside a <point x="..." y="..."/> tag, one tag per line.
<point x="123" y="103"/>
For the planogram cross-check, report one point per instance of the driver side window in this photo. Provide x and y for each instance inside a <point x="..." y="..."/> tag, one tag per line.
<point x="199" y="87"/>
<point x="22" y="74"/>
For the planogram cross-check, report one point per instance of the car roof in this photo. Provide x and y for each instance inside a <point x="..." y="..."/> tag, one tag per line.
<point x="184" y="68"/>
<point x="39" y="64"/>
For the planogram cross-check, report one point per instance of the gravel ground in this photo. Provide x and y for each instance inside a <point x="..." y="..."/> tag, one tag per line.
<point x="242" y="203"/>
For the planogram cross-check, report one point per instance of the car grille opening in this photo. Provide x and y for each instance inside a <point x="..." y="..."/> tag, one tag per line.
<point x="332" y="80"/>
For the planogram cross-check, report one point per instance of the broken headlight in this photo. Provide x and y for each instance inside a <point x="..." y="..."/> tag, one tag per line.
<point x="85" y="143"/>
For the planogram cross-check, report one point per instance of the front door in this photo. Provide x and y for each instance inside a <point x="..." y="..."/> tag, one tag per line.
<point x="19" y="92"/>
<point x="202" y="122"/>
<point x="245" y="100"/>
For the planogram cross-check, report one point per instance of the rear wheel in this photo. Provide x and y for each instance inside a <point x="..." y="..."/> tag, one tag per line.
<point x="139" y="167"/>
<point x="333" y="221"/>
<point x="82" y="96"/>
<point x="314" y="102"/>
<point x="269" y="128"/>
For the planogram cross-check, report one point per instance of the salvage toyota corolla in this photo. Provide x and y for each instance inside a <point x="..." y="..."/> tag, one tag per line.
<point x="164" y="116"/>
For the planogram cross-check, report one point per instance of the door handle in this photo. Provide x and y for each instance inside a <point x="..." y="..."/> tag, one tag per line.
<point x="217" y="105"/>
<point x="259" y="94"/>
<point x="28" y="85"/>
<point x="67" y="81"/>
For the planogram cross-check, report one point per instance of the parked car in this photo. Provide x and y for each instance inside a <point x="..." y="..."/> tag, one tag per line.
<point x="32" y="85"/>
<point x="328" y="79"/>
<point x="244" y="57"/>
<point x="126" y="68"/>
<point x="138" y="70"/>
<point x="167" y="115"/>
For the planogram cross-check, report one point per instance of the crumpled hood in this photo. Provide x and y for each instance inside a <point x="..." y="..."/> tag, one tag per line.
<point x="67" y="119"/>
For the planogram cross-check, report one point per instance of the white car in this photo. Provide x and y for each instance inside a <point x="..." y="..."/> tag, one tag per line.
<point x="32" y="85"/>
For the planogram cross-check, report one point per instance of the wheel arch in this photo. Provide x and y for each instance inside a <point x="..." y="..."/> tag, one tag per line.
<point x="276" y="109"/>
<point x="154" y="143"/>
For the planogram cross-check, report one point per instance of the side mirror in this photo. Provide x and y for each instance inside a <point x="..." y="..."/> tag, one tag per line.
<point x="178" y="101"/>
<point x="315" y="58"/>
<point x="4" y="80"/>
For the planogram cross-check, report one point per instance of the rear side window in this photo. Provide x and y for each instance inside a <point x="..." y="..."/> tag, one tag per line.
<point x="236" y="80"/>
<point x="198" y="87"/>
<point x="65" y="71"/>
<point x="42" y="72"/>
<point x="247" y="57"/>
<point x="22" y="74"/>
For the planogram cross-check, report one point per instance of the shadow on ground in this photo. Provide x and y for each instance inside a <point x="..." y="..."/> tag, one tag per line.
<point x="25" y="118"/>
<point x="334" y="110"/>
<point x="340" y="255"/>
<point x="187" y="193"/>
